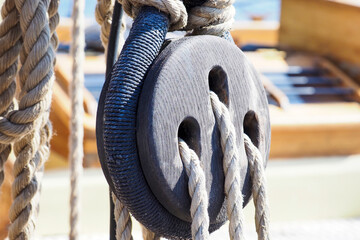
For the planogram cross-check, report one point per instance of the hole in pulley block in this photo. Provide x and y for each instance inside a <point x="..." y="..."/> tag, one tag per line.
<point x="218" y="83"/>
<point x="189" y="131"/>
<point x="251" y="127"/>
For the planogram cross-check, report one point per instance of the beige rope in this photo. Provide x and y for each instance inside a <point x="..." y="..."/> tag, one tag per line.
<point x="77" y="115"/>
<point x="257" y="172"/>
<point x="214" y="17"/>
<point x="231" y="165"/>
<point x="54" y="19"/>
<point x="103" y="15"/>
<point x="197" y="192"/>
<point x="10" y="45"/>
<point x="174" y="8"/>
<point x="36" y="80"/>
<point x="228" y="141"/>
<point x="148" y="235"/>
<point x="122" y="219"/>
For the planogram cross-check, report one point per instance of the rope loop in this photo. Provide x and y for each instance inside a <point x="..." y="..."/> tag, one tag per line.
<point x="214" y="17"/>
<point x="174" y="8"/>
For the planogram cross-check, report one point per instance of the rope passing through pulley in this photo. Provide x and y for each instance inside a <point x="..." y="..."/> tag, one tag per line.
<point x="183" y="126"/>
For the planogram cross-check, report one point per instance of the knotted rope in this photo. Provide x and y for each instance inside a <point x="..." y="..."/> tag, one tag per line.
<point x="28" y="20"/>
<point x="214" y="17"/>
<point x="197" y="192"/>
<point x="10" y="45"/>
<point x="174" y="8"/>
<point x="77" y="114"/>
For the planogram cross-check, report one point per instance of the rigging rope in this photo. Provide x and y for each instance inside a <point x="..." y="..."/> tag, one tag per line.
<point x="197" y="191"/>
<point x="29" y="125"/>
<point x="10" y="45"/>
<point x="77" y="114"/>
<point x="231" y="166"/>
<point x="213" y="17"/>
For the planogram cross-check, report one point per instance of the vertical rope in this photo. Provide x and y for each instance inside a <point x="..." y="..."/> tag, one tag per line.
<point x="103" y="14"/>
<point x="258" y="188"/>
<point x="77" y="113"/>
<point x="123" y="220"/>
<point x="197" y="192"/>
<point x="36" y="78"/>
<point x="10" y="45"/>
<point x="148" y="235"/>
<point x="231" y="165"/>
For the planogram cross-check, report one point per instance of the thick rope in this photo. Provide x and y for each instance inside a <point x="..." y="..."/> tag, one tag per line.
<point x="10" y="45"/>
<point x="197" y="192"/>
<point x="257" y="172"/>
<point x="103" y="15"/>
<point x="36" y="79"/>
<point x="214" y="17"/>
<point x="231" y="165"/>
<point x="231" y="168"/>
<point x="122" y="219"/>
<point x="77" y="115"/>
<point x="35" y="75"/>
<point x="148" y="235"/>
<point x="174" y="8"/>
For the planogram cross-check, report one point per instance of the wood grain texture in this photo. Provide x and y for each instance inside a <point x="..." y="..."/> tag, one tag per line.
<point x="325" y="27"/>
<point x="175" y="101"/>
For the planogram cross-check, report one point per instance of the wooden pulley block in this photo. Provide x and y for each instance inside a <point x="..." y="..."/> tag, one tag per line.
<point x="175" y="102"/>
<point x="140" y="119"/>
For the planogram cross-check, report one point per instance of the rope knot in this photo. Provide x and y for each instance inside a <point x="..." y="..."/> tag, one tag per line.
<point x="214" y="17"/>
<point x="174" y="8"/>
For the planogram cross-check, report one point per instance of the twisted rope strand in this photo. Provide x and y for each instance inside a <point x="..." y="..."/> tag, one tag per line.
<point x="77" y="115"/>
<point x="231" y="165"/>
<point x="148" y="235"/>
<point x="36" y="74"/>
<point x="257" y="172"/>
<point x="10" y="45"/>
<point x="123" y="220"/>
<point x="174" y="8"/>
<point x="214" y="17"/>
<point x="54" y="19"/>
<point x="197" y="192"/>
<point x="36" y="80"/>
<point x="103" y="15"/>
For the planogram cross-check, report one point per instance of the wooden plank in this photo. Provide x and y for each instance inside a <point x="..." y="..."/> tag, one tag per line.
<point x="255" y="32"/>
<point x="315" y="130"/>
<point x="329" y="28"/>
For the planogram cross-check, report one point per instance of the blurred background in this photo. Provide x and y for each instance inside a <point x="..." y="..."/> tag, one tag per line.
<point x="308" y="54"/>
